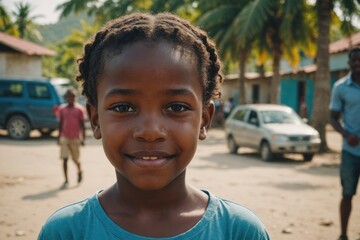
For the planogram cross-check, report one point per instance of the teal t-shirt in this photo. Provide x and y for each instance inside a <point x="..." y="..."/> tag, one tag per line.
<point x="222" y="220"/>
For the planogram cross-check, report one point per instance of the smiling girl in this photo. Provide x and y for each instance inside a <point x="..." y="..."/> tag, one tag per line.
<point x="150" y="81"/>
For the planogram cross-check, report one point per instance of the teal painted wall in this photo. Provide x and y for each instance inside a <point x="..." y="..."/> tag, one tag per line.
<point x="309" y="96"/>
<point x="289" y="92"/>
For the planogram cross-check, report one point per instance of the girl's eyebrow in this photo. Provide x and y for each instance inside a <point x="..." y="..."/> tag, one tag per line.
<point x="180" y="91"/>
<point x="173" y="91"/>
<point x="120" y="91"/>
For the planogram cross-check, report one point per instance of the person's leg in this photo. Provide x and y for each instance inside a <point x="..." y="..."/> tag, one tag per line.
<point x="64" y="155"/>
<point x="65" y="160"/>
<point x="75" y="154"/>
<point x="349" y="173"/>
<point x="345" y="210"/>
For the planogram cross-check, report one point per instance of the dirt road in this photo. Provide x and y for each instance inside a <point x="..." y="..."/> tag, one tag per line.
<point x="295" y="200"/>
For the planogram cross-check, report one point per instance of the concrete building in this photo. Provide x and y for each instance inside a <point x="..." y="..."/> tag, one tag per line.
<point x="296" y="85"/>
<point x="21" y="58"/>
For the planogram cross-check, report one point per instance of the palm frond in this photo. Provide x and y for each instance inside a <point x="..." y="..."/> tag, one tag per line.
<point x="223" y="15"/>
<point x="73" y="6"/>
<point x="252" y="19"/>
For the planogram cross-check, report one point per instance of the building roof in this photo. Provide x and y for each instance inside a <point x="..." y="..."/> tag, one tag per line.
<point x="345" y="44"/>
<point x="24" y="46"/>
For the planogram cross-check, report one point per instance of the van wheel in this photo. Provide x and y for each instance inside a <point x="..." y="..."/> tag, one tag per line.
<point x="308" y="157"/>
<point x="232" y="146"/>
<point x="265" y="152"/>
<point x="18" y="127"/>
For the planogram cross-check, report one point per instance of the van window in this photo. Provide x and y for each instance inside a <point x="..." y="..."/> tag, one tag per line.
<point x="8" y="89"/>
<point x="240" y="115"/>
<point x="38" y="91"/>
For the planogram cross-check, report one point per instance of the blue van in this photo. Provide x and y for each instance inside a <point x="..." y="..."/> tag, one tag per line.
<point x="28" y="104"/>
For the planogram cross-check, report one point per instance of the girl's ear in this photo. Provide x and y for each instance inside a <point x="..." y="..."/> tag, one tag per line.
<point x="94" y="120"/>
<point x="207" y="115"/>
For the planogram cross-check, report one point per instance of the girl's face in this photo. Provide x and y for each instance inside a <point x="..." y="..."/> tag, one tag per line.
<point x="150" y="113"/>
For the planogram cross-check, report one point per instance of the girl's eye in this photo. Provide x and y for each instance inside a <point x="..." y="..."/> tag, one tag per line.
<point x="122" y="108"/>
<point x="177" y="108"/>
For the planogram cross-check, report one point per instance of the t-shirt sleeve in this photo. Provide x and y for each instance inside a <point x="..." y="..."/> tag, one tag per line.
<point x="46" y="233"/>
<point x="336" y="103"/>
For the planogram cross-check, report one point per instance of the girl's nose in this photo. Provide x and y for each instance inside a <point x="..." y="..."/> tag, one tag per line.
<point x="150" y="130"/>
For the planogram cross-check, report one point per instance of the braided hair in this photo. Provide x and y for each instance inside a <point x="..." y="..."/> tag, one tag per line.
<point x="128" y="29"/>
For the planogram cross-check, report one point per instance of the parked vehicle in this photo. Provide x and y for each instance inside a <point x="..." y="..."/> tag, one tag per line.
<point x="271" y="129"/>
<point x="27" y="104"/>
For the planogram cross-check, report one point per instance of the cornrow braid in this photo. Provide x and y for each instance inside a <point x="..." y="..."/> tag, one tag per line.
<point x="128" y="29"/>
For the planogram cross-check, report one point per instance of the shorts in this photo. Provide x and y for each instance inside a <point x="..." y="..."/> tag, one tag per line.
<point x="70" y="146"/>
<point x="349" y="173"/>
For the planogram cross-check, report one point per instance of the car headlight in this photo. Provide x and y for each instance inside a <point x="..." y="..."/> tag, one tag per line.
<point x="314" y="137"/>
<point x="279" y="137"/>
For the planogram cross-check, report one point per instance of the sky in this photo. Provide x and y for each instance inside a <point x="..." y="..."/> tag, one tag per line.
<point x="44" y="8"/>
<point x="47" y="9"/>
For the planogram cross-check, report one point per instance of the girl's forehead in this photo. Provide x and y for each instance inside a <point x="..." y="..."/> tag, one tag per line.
<point x="152" y="68"/>
<point x="142" y="56"/>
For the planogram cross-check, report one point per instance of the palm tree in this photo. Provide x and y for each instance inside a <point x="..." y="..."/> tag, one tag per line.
<point x="104" y="10"/>
<point x="277" y="27"/>
<point x="6" y="24"/>
<point x="221" y="19"/>
<point x="24" y="22"/>
<point x="282" y="28"/>
<point x="322" y="78"/>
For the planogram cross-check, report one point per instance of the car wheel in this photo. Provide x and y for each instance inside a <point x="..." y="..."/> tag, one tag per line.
<point x="18" y="127"/>
<point x="232" y="146"/>
<point x="265" y="152"/>
<point x="308" y="157"/>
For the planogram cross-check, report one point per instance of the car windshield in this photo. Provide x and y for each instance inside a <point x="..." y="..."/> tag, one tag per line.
<point x="278" y="116"/>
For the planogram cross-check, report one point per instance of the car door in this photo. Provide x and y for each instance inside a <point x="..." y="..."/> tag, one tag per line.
<point x="40" y="104"/>
<point x="252" y="131"/>
<point x="11" y="93"/>
<point x="238" y="125"/>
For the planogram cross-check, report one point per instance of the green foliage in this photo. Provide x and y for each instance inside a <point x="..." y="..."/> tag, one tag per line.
<point x="54" y="33"/>
<point x="24" y="22"/>
<point x="68" y="51"/>
<point x="5" y="22"/>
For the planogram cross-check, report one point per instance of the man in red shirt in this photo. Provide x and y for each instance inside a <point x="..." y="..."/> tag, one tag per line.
<point x="71" y="132"/>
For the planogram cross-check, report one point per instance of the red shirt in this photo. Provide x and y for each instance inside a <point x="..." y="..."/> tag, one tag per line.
<point x="71" y="119"/>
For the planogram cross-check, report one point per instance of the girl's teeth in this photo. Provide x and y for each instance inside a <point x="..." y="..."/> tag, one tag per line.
<point x="149" y="158"/>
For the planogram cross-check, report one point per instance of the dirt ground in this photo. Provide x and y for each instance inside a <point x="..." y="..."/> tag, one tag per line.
<point x="295" y="200"/>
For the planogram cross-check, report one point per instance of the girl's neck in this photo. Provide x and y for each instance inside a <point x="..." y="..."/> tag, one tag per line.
<point x="173" y="194"/>
<point x="124" y="195"/>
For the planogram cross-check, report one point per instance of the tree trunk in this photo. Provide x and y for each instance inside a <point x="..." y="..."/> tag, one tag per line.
<point x="322" y="77"/>
<point x="242" y="66"/>
<point x="261" y="70"/>
<point x="275" y="81"/>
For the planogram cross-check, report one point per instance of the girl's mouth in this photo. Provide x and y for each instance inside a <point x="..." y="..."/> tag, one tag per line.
<point x="145" y="159"/>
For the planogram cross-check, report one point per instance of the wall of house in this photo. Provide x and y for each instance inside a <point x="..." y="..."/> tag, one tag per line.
<point x="20" y="65"/>
<point x="338" y="61"/>
<point x="263" y="85"/>
<point x="230" y="88"/>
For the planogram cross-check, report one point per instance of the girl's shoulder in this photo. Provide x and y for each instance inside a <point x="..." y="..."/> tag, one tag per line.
<point x="65" y="220"/>
<point x="237" y="218"/>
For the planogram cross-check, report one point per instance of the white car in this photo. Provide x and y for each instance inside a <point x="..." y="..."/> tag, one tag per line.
<point x="272" y="129"/>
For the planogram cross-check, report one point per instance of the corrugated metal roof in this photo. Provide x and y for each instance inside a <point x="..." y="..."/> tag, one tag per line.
<point x="344" y="43"/>
<point x="23" y="46"/>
